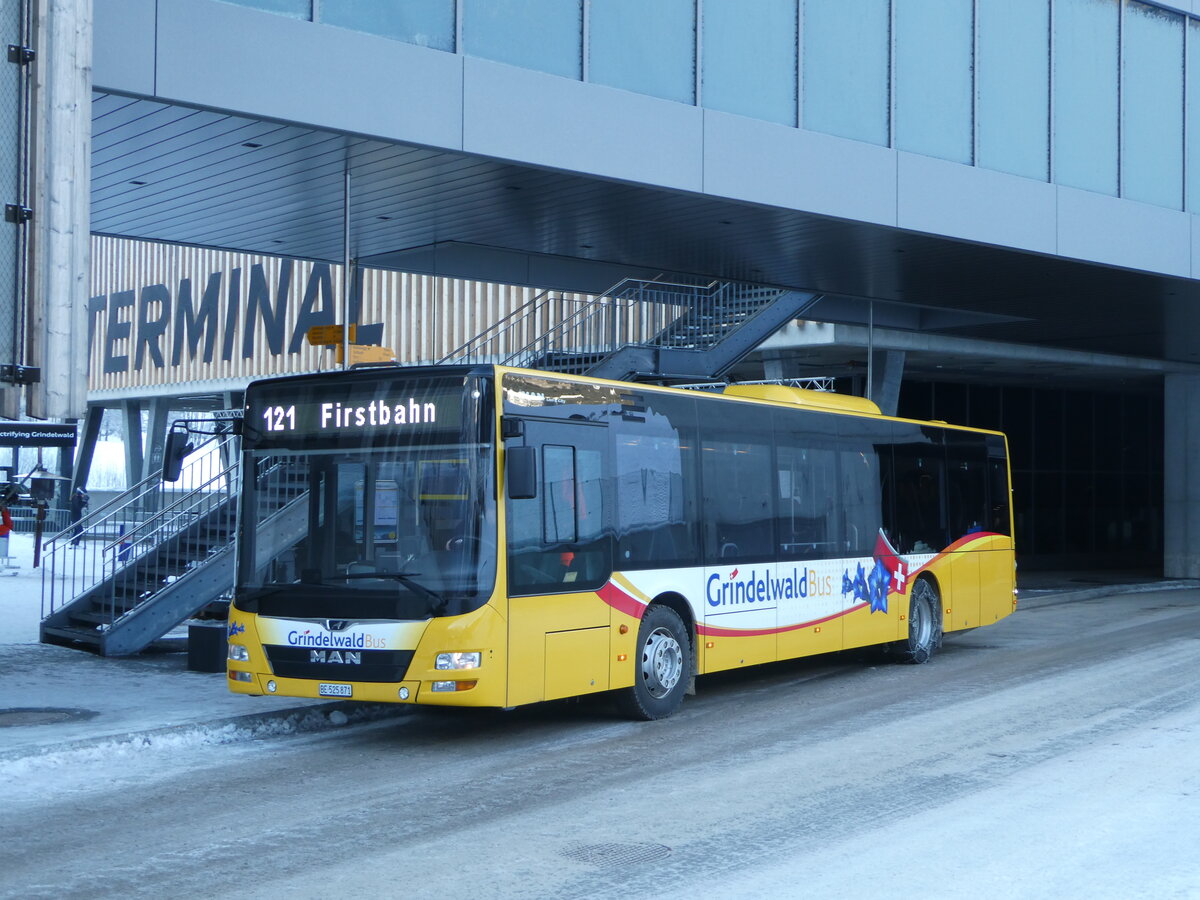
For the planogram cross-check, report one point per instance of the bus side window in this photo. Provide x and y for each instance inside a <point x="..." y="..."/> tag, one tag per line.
<point x="738" y="494"/>
<point x="806" y="479"/>
<point x="920" y="472"/>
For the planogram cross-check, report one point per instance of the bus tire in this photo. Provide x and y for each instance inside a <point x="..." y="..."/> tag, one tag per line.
<point x="662" y="666"/>
<point x="924" y="623"/>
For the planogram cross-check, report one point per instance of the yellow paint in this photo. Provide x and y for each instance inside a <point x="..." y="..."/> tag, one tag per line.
<point x="735" y="652"/>
<point x="576" y="662"/>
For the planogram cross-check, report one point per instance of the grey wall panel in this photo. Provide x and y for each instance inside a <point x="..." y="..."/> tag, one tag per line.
<point x="941" y="197"/>
<point x="545" y="120"/>
<point x="1194" y="222"/>
<point x="761" y="162"/>
<point x="123" y="45"/>
<point x="1123" y="233"/>
<point x="229" y="57"/>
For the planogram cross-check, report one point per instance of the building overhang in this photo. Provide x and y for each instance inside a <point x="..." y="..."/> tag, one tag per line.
<point x="474" y="169"/>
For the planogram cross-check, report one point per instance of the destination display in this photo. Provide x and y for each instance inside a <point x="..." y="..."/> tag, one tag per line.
<point x="286" y="412"/>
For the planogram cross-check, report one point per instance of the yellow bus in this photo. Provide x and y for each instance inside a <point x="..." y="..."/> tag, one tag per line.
<point x="488" y="536"/>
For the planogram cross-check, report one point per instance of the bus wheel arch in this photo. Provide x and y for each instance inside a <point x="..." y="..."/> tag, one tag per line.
<point x="925" y="628"/>
<point x="663" y="661"/>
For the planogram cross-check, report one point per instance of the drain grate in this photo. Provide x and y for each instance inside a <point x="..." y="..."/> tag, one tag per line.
<point x="44" y="715"/>
<point x="615" y="854"/>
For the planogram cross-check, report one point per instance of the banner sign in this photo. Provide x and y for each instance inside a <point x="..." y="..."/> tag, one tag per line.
<point x="36" y="434"/>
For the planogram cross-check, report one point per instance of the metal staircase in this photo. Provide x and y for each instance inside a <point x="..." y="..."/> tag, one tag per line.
<point x="639" y="330"/>
<point x="132" y="570"/>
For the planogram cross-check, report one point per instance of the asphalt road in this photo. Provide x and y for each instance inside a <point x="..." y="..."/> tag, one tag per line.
<point x="1052" y="754"/>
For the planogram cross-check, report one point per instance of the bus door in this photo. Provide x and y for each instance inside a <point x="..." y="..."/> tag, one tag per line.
<point x="996" y="567"/>
<point x="559" y="553"/>
<point x="966" y="510"/>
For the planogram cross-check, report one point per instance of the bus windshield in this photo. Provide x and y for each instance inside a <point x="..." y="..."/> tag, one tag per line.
<point x="349" y="513"/>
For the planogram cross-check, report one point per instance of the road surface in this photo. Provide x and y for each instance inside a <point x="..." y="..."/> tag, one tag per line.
<point x="1053" y="754"/>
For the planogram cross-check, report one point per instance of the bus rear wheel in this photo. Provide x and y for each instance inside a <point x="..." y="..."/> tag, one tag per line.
<point x="662" y="666"/>
<point x="924" y="623"/>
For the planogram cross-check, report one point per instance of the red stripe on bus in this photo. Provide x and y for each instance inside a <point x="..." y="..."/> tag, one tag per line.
<point x="719" y="631"/>
<point x="621" y="601"/>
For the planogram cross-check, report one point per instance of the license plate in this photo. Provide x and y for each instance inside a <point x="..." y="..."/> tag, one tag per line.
<point x="335" y="690"/>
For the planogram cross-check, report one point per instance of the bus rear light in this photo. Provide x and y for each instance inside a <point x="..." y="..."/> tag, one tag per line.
<point x="442" y="687"/>
<point x="245" y="677"/>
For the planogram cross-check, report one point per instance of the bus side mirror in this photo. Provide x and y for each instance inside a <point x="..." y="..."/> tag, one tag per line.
<point x="177" y="448"/>
<point x="521" y="463"/>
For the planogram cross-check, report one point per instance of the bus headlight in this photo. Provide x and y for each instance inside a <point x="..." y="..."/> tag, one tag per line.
<point x="458" y="660"/>
<point x="239" y="653"/>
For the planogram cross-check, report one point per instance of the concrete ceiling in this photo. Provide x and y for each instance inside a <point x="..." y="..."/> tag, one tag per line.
<point x="176" y="174"/>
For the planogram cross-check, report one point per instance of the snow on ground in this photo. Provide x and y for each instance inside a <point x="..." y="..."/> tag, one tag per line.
<point x="20" y="594"/>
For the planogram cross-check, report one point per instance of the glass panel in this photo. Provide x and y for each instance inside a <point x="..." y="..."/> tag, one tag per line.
<point x="806" y="485"/>
<point x="1152" y="160"/>
<point x="865" y="471"/>
<point x="296" y="9"/>
<point x="1193" y="115"/>
<point x="846" y="61"/>
<point x="1013" y="77"/>
<point x="933" y="78"/>
<point x="558" y="494"/>
<point x="966" y="484"/>
<point x="736" y="464"/>
<point x="645" y="47"/>
<point x="426" y="23"/>
<point x="1085" y="94"/>
<point x="536" y="34"/>
<point x="656" y="484"/>
<point x="750" y="58"/>
<point x="919" y="525"/>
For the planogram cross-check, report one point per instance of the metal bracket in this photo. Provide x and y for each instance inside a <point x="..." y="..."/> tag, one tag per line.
<point x="22" y="56"/>
<point x="17" y="214"/>
<point x="14" y="374"/>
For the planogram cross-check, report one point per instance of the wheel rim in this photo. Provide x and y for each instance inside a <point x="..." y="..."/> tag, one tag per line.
<point x="662" y="663"/>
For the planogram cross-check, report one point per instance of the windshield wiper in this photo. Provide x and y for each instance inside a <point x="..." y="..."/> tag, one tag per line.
<point x="406" y="579"/>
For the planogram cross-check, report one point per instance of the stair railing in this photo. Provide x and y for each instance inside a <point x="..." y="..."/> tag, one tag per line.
<point x="139" y="561"/>
<point x="491" y="344"/>
<point x="75" y="559"/>
<point x="633" y="311"/>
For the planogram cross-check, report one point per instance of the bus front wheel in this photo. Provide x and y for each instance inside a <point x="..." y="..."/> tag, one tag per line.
<point x="924" y="623"/>
<point x="662" y="666"/>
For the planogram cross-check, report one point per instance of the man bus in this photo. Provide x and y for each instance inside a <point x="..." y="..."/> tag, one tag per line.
<point x="488" y="536"/>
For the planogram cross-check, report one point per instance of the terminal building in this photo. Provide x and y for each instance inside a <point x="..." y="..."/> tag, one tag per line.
<point x="986" y="212"/>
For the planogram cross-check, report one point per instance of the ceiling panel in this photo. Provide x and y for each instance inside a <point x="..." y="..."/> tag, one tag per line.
<point x="190" y="176"/>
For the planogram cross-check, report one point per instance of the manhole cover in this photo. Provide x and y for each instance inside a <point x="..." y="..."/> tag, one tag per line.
<point x="615" y="854"/>
<point x="12" y="718"/>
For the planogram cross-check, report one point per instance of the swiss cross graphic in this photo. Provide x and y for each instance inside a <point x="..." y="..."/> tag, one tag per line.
<point x="896" y="567"/>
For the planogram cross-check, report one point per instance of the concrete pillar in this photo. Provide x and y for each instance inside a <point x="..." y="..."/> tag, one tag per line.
<point x="887" y="371"/>
<point x="61" y="210"/>
<point x="773" y="369"/>
<point x="86" y="449"/>
<point x="132" y="410"/>
<point x="160" y="411"/>
<point x="1181" y="476"/>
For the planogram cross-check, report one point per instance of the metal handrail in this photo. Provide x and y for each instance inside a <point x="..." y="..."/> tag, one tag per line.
<point x="124" y="499"/>
<point x="499" y="326"/>
<point x="194" y="498"/>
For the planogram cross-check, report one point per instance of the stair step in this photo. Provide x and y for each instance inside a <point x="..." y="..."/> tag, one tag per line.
<point x="69" y="636"/>
<point x="93" y="617"/>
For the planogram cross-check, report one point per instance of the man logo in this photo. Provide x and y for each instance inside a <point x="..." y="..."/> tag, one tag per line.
<point x="337" y="624"/>
<point x="349" y="658"/>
